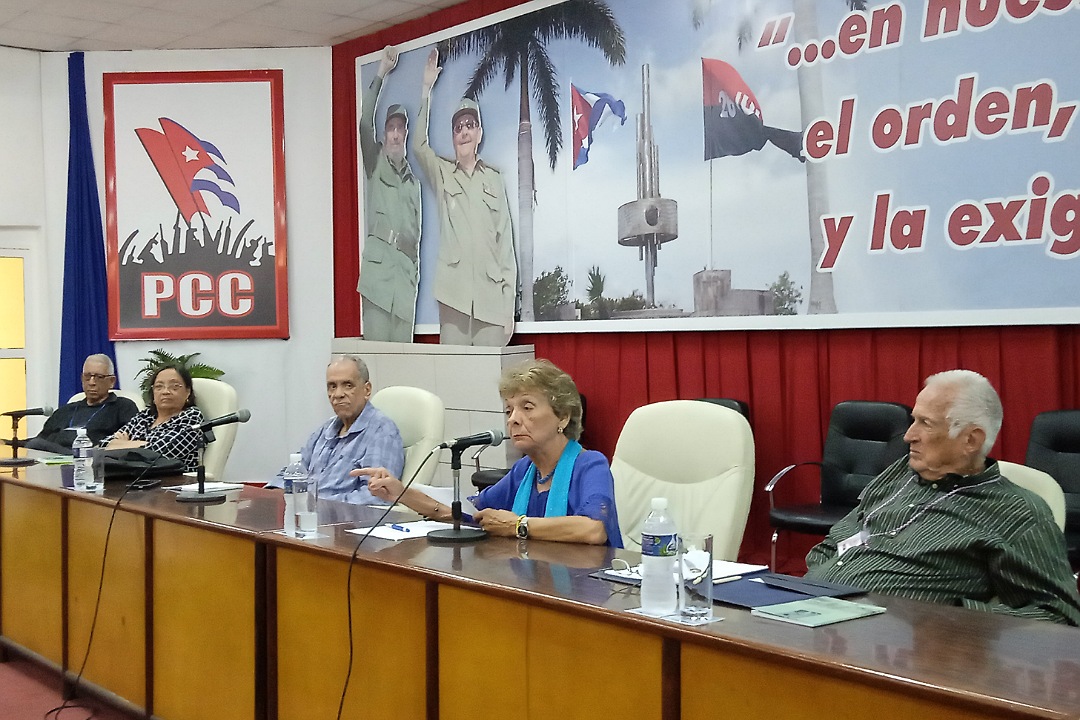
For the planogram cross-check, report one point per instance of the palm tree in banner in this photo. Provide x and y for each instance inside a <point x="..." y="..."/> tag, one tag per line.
<point x="812" y="107"/>
<point x="518" y="48"/>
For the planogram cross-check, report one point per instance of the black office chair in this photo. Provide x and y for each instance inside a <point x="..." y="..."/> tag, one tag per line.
<point x="864" y="438"/>
<point x="737" y="405"/>
<point x="1054" y="448"/>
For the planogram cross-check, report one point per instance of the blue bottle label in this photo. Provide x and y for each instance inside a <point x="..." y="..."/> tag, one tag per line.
<point x="659" y="545"/>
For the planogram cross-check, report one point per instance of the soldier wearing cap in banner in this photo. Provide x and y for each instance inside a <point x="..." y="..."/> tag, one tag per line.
<point x="476" y="276"/>
<point x="389" y="266"/>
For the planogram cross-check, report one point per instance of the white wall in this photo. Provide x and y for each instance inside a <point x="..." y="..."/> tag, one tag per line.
<point x="280" y="381"/>
<point x="22" y="208"/>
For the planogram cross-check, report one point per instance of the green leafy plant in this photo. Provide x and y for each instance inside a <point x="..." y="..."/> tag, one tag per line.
<point x="161" y="357"/>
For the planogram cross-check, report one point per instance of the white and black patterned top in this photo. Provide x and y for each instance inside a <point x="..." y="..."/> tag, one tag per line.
<point x="178" y="437"/>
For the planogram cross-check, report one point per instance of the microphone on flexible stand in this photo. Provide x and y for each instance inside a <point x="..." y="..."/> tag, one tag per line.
<point x="459" y="534"/>
<point x="206" y="428"/>
<point x="16" y="416"/>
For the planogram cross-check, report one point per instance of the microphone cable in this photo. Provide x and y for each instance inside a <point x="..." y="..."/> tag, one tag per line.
<point x="352" y="562"/>
<point x="68" y="704"/>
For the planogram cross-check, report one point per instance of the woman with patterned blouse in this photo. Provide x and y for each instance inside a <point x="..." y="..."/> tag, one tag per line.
<point x="169" y="425"/>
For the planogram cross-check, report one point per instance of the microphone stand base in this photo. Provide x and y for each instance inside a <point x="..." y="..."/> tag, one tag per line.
<point x="457" y="535"/>
<point x="206" y="498"/>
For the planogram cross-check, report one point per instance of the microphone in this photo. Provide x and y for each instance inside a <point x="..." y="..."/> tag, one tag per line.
<point x="488" y="437"/>
<point x="46" y="411"/>
<point x="240" y="416"/>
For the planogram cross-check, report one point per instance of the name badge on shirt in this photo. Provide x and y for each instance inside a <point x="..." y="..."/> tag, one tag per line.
<point x="855" y="540"/>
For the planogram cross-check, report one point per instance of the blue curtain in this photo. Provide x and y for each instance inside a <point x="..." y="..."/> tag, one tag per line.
<point x="85" y="323"/>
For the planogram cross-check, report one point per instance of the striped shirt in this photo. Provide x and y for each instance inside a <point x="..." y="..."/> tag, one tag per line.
<point x="980" y="542"/>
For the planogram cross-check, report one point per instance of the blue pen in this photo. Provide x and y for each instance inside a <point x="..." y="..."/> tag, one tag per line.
<point x="402" y="528"/>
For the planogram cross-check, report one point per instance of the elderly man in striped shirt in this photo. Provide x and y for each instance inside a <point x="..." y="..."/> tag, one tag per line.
<point x="943" y="525"/>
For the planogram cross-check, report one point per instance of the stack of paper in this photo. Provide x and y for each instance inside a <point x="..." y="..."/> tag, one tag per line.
<point x="817" y="611"/>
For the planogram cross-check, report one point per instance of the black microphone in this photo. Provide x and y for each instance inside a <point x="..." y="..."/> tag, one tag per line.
<point x="240" y="416"/>
<point x="46" y="411"/>
<point x="488" y="437"/>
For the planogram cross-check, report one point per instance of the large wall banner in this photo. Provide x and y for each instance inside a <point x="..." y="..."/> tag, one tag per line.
<point x="705" y="164"/>
<point x="195" y="205"/>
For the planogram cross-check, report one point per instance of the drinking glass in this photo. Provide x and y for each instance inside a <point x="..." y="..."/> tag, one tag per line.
<point x="695" y="577"/>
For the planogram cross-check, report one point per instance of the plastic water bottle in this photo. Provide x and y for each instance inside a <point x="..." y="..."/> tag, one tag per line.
<point x="294" y="470"/>
<point x="82" y="449"/>
<point x="659" y="550"/>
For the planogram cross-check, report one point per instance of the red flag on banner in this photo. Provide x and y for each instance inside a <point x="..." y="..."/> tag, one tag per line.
<point x="734" y="124"/>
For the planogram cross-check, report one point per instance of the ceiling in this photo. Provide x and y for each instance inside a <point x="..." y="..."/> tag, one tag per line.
<point x="66" y="25"/>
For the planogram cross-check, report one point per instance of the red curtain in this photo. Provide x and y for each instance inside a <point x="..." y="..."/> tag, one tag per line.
<point x="791" y="379"/>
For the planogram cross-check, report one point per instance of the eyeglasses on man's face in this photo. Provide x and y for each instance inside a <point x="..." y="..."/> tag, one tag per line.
<point x="95" y="377"/>
<point x="465" y="124"/>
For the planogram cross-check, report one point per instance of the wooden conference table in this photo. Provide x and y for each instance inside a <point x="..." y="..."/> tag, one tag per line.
<point x="207" y="612"/>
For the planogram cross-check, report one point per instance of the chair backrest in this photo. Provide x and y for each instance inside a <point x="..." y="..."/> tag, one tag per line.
<point x="1039" y="483"/>
<point x="864" y="438"/>
<point x="419" y="415"/>
<point x="216" y="398"/>
<point x="738" y="406"/>
<point x="132" y="396"/>
<point x="700" y="456"/>
<point x="1054" y="448"/>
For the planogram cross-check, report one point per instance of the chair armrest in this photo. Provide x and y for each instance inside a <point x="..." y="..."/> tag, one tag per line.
<point x="771" y="485"/>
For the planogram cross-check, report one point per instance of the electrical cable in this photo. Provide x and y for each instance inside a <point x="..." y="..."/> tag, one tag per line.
<point x="67" y="704"/>
<point x="348" y="582"/>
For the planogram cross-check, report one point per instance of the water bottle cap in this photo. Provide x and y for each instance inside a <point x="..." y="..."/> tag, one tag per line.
<point x="294" y="458"/>
<point x="659" y="503"/>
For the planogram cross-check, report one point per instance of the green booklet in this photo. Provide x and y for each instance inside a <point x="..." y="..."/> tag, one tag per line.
<point x="816" y="611"/>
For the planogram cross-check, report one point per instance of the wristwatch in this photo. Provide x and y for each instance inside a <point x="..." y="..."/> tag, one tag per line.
<point x="523" y="527"/>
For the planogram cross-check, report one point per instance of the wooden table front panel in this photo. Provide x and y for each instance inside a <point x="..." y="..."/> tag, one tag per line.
<point x="204" y="624"/>
<point x="716" y="684"/>
<point x="389" y="677"/>
<point x="499" y="656"/>
<point x="31" y="567"/>
<point x="117" y="659"/>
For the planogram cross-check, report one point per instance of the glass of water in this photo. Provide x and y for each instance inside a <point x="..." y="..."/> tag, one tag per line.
<point x="695" y="577"/>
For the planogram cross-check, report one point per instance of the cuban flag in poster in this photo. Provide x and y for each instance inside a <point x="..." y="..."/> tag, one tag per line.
<point x="179" y="156"/>
<point x="590" y="110"/>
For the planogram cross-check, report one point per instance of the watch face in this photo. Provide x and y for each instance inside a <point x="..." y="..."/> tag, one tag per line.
<point x="523" y="528"/>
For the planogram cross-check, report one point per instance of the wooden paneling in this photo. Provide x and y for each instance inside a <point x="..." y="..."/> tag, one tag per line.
<point x="32" y="562"/>
<point x="719" y="684"/>
<point x="117" y="658"/>
<point x="551" y="663"/>
<point x="389" y="629"/>
<point x="204" y="624"/>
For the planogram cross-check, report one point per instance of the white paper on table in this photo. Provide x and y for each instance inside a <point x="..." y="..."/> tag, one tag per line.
<point x="409" y="530"/>
<point x="721" y="569"/>
<point x="210" y="487"/>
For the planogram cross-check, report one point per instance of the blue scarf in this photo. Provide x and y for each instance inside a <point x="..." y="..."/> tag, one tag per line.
<point x="560" y="484"/>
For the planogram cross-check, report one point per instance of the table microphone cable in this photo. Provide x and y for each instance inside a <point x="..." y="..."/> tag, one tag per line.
<point x="352" y="561"/>
<point x="67" y="704"/>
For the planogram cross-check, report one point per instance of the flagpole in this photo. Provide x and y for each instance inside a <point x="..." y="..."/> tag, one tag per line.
<point x="712" y="209"/>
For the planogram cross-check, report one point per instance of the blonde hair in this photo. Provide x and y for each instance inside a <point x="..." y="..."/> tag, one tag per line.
<point x="544" y="377"/>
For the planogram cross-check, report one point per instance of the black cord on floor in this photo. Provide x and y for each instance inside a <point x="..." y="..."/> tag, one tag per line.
<point x="348" y="582"/>
<point x="54" y="713"/>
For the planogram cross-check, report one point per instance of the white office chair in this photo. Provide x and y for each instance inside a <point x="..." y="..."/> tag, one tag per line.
<point x="1040" y="483"/>
<point x="134" y="397"/>
<point x="216" y="398"/>
<point x="419" y="417"/>
<point x="698" y="455"/>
